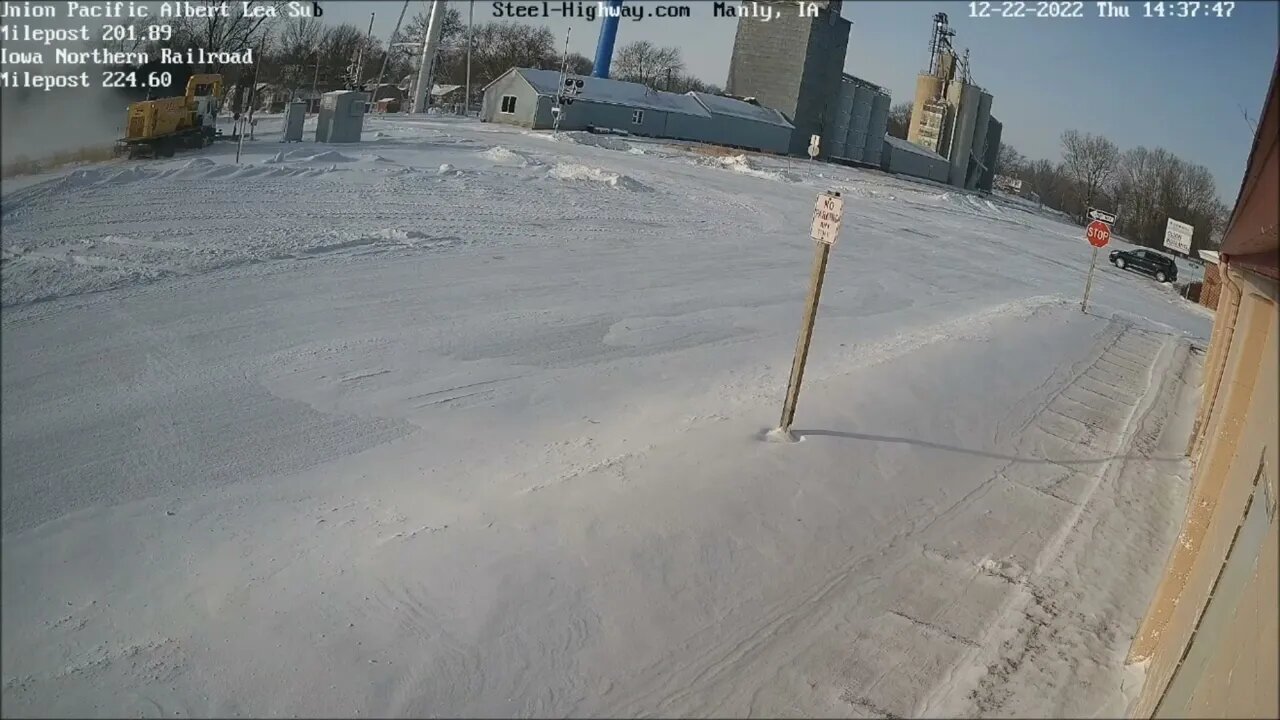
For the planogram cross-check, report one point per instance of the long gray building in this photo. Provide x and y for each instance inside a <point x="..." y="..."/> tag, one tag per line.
<point x="524" y="97"/>
<point x="904" y="158"/>
<point x="793" y="62"/>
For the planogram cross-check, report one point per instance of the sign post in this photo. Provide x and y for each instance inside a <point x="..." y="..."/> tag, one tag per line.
<point x="813" y="146"/>
<point x="825" y="228"/>
<point x="1098" y="233"/>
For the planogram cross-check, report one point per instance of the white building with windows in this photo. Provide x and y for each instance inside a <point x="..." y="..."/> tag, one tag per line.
<point x="525" y="97"/>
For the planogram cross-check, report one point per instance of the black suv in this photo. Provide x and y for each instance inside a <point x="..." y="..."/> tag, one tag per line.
<point x="1152" y="263"/>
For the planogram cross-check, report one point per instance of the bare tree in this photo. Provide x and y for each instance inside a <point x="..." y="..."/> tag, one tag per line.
<point x="450" y="61"/>
<point x="645" y="63"/>
<point x="1009" y="161"/>
<point x="500" y="46"/>
<point x="1089" y="160"/>
<point x="1045" y="180"/>
<point x="242" y="28"/>
<point x="579" y="64"/>
<point x="136" y="38"/>
<point x="684" y="82"/>
<point x="338" y="50"/>
<point x="899" y="120"/>
<point x="296" y="54"/>
<point x="450" y="32"/>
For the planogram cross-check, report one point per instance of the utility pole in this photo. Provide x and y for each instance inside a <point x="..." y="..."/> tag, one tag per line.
<point x="368" y="38"/>
<point x="422" y="90"/>
<point x="315" y="82"/>
<point x="387" y="56"/>
<point x="471" y="13"/>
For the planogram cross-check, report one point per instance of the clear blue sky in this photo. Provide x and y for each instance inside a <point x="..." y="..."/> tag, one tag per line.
<point x="1176" y="83"/>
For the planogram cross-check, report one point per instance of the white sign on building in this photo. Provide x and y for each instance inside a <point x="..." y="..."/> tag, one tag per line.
<point x="1177" y="236"/>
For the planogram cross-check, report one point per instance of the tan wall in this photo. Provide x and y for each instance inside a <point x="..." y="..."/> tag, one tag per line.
<point x="1212" y="286"/>
<point x="1211" y="634"/>
<point x="928" y="88"/>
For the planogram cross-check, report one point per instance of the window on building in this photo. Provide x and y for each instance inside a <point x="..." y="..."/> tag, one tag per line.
<point x="637" y="117"/>
<point x="508" y="104"/>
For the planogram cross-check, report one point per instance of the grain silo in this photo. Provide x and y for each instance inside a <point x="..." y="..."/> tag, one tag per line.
<point x="951" y="113"/>
<point x="859" y="120"/>
<point x="979" y="149"/>
<point x="877" y="128"/>
<point x="838" y="124"/>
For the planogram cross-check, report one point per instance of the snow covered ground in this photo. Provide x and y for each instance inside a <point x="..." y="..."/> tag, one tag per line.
<point x="465" y="420"/>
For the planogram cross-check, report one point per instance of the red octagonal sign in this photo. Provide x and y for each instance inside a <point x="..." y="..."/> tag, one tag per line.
<point x="1098" y="234"/>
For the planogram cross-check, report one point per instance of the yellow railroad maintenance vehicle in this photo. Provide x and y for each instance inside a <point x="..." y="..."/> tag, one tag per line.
<point x="159" y="127"/>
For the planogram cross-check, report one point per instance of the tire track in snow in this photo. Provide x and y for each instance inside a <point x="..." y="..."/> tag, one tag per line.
<point x="1030" y="598"/>
<point x="691" y="683"/>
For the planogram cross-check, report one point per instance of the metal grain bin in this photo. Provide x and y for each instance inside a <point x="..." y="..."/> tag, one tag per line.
<point x="842" y="115"/>
<point x="876" y="127"/>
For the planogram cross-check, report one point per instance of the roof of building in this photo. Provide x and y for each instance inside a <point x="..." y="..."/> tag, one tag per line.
<point x="613" y="92"/>
<point x="902" y="145"/>
<point x="720" y="105"/>
<point x="866" y="83"/>
<point x="1252" y="239"/>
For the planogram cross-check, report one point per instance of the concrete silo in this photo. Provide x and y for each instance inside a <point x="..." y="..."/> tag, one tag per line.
<point x="951" y="114"/>
<point x="792" y="61"/>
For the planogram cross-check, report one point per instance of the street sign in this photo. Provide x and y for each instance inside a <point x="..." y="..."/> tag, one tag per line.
<point x="1098" y="234"/>
<point x="813" y="145"/>
<point x="826" y="225"/>
<point x="826" y="218"/>
<point x="1103" y="215"/>
<point x="1177" y="236"/>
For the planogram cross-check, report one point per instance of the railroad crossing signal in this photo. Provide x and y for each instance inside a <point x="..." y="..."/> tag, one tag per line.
<point x="570" y="90"/>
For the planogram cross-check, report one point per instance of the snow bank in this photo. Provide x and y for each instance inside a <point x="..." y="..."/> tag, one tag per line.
<point x="574" y="171"/>
<point x="329" y="156"/>
<point x="608" y="142"/>
<point x="744" y="165"/>
<point x="500" y="154"/>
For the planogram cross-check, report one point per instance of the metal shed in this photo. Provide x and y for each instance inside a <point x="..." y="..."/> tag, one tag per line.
<point x="899" y="156"/>
<point x="733" y="122"/>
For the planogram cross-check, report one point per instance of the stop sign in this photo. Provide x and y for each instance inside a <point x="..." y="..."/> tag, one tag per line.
<point x="1098" y="234"/>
